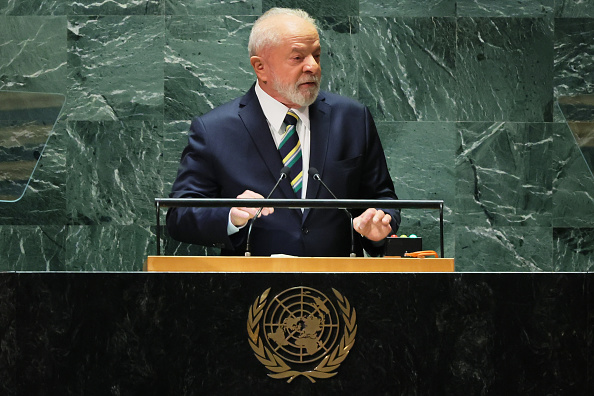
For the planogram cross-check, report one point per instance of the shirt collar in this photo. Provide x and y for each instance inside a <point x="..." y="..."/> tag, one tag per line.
<point x="275" y="111"/>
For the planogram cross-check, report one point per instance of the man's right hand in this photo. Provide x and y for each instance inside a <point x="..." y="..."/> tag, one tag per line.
<point x="240" y="216"/>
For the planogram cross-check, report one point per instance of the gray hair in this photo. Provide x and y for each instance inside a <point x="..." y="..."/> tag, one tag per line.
<point x="261" y="35"/>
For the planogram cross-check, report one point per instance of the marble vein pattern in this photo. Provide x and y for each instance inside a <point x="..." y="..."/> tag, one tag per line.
<point x="408" y="68"/>
<point x="115" y="68"/>
<point x="420" y="157"/>
<point x="113" y="172"/>
<point x="505" y="8"/>
<point x="419" y="8"/>
<point x="574" y="51"/>
<point x="213" y="7"/>
<point x="573" y="184"/>
<point x="503" y="174"/>
<point x="206" y="63"/>
<point x="32" y="54"/>
<point x="503" y="69"/>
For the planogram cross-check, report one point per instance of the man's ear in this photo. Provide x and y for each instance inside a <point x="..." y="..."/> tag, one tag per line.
<point x="260" y="69"/>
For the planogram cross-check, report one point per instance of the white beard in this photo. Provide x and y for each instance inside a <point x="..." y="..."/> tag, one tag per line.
<point x="292" y="92"/>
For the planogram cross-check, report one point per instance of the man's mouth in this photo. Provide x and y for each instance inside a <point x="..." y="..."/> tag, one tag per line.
<point x="309" y="84"/>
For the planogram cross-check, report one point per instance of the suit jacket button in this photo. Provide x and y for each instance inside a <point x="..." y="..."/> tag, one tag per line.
<point x="305" y="230"/>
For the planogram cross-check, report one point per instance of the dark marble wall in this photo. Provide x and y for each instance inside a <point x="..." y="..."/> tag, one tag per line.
<point x="477" y="103"/>
<point x="187" y="334"/>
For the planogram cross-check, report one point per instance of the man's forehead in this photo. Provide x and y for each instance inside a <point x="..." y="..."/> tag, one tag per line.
<point x="305" y="46"/>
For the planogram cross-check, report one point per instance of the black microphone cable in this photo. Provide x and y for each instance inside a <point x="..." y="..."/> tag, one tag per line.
<point x="284" y="173"/>
<point x="313" y="172"/>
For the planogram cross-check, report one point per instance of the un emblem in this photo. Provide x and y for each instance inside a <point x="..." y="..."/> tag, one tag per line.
<point x="297" y="333"/>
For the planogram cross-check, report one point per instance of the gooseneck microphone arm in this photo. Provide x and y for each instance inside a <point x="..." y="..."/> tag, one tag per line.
<point x="313" y="172"/>
<point x="284" y="173"/>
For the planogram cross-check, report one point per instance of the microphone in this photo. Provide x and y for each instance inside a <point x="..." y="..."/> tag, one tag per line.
<point x="313" y="172"/>
<point x="284" y="173"/>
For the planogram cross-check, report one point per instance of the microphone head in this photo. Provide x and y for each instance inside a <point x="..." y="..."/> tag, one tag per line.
<point x="313" y="171"/>
<point x="285" y="172"/>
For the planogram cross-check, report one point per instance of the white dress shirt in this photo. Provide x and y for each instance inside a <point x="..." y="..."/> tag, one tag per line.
<point x="275" y="113"/>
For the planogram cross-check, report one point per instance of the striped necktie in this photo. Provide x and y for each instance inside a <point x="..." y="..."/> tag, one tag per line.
<point x="290" y="150"/>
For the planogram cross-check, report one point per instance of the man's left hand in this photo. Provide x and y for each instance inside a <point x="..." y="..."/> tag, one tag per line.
<point x="373" y="224"/>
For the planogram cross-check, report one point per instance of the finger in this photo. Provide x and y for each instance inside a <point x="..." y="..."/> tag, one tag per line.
<point x="378" y="216"/>
<point x="248" y="194"/>
<point x="251" y="211"/>
<point x="358" y="224"/>
<point x="240" y="213"/>
<point x="239" y="217"/>
<point x="267" y="211"/>
<point x="368" y="214"/>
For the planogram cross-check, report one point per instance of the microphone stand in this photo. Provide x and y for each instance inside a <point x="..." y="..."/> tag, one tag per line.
<point x="313" y="172"/>
<point x="283" y="174"/>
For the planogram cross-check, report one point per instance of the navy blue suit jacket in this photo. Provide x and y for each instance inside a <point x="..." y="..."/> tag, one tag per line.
<point x="231" y="150"/>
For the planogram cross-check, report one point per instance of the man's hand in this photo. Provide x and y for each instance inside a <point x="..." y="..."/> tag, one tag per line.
<point x="373" y="224"/>
<point x="240" y="216"/>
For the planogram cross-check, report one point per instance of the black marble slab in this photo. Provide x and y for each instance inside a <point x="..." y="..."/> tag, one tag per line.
<point x="187" y="334"/>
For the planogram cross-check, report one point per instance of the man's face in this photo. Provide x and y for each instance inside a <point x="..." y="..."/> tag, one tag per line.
<point x="293" y="69"/>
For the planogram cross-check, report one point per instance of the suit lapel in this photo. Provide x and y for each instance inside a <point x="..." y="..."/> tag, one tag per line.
<point x="319" y="114"/>
<point x="254" y="120"/>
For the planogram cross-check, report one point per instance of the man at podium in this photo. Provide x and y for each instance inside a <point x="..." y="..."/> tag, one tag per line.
<point x="284" y="132"/>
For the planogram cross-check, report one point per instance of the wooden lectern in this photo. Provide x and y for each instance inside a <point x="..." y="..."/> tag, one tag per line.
<point x="296" y="264"/>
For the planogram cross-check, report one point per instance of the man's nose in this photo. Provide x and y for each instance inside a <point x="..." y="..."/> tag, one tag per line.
<point x="311" y="65"/>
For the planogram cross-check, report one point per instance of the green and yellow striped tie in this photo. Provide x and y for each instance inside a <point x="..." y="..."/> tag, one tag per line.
<point x="290" y="150"/>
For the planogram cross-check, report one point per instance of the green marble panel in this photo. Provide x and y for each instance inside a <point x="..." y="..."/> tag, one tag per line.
<point x="44" y="200"/>
<point x="108" y="247"/>
<point x="34" y="7"/>
<point x="32" y="247"/>
<point x="420" y="158"/>
<point x="116" y="7"/>
<point x="408" y="68"/>
<point x="573" y="249"/>
<point x="206" y="63"/>
<point x="115" y="67"/>
<point x="81" y="7"/>
<point x="174" y="141"/>
<point x="495" y="249"/>
<point x="213" y="7"/>
<point x="504" y="69"/>
<point x="317" y="8"/>
<point x="503" y="174"/>
<point x="574" y="8"/>
<point x="340" y="72"/>
<point x="33" y="54"/>
<point x="574" y="80"/>
<point x="573" y="183"/>
<point x="408" y="8"/>
<point x="574" y="52"/>
<point x="114" y="172"/>
<point x="504" y="8"/>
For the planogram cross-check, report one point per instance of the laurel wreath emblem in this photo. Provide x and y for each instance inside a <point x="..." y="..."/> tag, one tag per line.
<point x="280" y="369"/>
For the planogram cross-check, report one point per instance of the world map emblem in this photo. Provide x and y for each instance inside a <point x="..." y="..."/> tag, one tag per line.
<point x="300" y="332"/>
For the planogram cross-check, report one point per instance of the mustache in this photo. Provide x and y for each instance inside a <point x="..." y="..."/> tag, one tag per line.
<point x="309" y="79"/>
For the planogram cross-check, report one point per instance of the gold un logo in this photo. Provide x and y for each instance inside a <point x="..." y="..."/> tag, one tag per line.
<point x="297" y="333"/>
